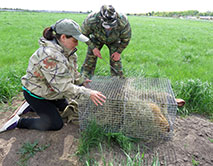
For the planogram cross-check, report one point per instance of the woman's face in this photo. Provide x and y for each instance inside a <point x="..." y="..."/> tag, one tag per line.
<point x="69" y="43"/>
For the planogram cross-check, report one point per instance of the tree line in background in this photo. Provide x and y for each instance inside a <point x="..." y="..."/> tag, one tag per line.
<point x="177" y="14"/>
<point x="186" y="13"/>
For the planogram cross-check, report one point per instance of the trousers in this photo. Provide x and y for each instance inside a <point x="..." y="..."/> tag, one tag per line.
<point x="48" y="114"/>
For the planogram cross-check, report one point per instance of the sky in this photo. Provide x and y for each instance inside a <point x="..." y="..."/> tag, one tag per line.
<point x="124" y="6"/>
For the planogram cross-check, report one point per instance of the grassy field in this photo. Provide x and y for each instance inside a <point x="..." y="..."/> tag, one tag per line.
<point x="180" y="50"/>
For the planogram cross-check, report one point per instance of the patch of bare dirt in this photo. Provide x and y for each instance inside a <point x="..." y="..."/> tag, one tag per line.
<point x="191" y="142"/>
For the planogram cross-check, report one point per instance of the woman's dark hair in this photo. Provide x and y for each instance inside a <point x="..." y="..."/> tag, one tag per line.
<point x="49" y="35"/>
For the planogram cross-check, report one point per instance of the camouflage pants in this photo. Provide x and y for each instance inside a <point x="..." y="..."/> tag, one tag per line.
<point x="89" y="64"/>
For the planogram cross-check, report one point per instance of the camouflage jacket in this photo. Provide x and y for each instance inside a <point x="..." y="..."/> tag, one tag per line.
<point x="120" y="35"/>
<point x="52" y="73"/>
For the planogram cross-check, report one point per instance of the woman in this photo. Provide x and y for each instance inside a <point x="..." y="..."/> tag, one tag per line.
<point x="51" y="78"/>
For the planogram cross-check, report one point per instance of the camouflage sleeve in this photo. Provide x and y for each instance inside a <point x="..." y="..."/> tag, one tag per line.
<point x="125" y="34"/>
<point x="87" y="29"/>
<point x="60" y="78"/>
<point x="79" y="79"/>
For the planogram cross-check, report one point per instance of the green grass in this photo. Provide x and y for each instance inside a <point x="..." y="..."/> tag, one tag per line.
<point x="92" y="140"/>
<point x="211" y="140"/>
<point x="95" y="135"/>
<point x="198" y="96"/>
<point x="28" y="150"/>
<point x="180" y="50"/>
<point x="91" y="137"/>
<point x="194" y="162"/>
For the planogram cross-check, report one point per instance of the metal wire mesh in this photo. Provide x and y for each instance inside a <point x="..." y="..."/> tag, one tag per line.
<point x="137" y="107"/>
<point x="162" y="155"/>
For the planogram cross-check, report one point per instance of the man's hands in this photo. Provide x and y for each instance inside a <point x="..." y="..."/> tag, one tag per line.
<point x="97" y="97"/>
<point x="97" y="52"/>
<point x="116" y="56"/>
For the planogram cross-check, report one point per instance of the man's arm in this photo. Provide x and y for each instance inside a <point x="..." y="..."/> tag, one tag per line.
<point x="125" y="34"/>
<point x="87" y="29"/>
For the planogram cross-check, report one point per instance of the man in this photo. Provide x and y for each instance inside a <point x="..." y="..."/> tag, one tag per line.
<point x="105" y="27"/>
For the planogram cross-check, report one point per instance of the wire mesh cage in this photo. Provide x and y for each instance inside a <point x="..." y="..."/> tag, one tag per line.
<point x="137" y="107"/>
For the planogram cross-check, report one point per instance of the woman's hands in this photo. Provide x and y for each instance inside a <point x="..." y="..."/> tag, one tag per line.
<point x="97" y="97"/>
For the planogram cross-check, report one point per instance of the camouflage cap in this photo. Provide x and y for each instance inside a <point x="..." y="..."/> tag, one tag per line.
<point x="108" y="16"/>
<point x="70" y="28"/>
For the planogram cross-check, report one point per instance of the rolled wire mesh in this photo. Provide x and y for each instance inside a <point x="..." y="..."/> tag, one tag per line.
<point x="137" y="107"/>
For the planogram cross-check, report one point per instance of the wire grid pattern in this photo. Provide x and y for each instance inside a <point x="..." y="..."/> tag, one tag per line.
<point x="160" y="155"/>
<point x="137" y="107"/>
